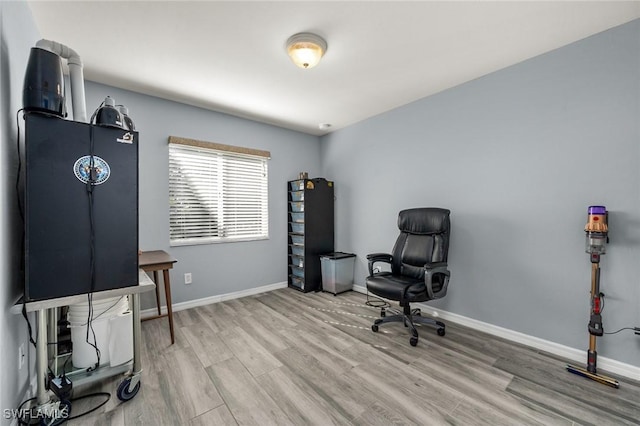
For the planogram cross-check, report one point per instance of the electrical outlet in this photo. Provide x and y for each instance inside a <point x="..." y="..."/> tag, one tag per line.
<point x="21" y="356"/>
<point x="187" y="278"/>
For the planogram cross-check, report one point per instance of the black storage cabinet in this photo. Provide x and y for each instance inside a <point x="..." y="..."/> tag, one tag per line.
<point x="56" y="209"/>
<point x="311" y="221"/>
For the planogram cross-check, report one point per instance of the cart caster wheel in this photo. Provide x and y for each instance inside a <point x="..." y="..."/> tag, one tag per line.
<point x="383" y="314"/>
<point x="413" y="341"/>
<point x="441" y="332"/>
<point x="374" y="328"/>
<point x="61" y="416"/>
<point x="124" y="393"/>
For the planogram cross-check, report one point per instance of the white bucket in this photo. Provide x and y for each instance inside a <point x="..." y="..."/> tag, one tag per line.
<point x="114" y="305"/>
<point x="113" y="327"/>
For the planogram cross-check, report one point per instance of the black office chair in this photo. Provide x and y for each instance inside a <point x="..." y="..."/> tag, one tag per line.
<point x="418" y="268"/>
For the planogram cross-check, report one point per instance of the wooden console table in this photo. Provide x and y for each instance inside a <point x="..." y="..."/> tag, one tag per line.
<point x="154" y="261"/>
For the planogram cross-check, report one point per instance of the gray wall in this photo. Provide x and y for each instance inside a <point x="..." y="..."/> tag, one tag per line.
<point x="216" y="268"/>
<point x="518" y="156"/>
<point x="19" y="34"/>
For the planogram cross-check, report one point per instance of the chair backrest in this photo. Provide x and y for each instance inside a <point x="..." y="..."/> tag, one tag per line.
<point x="424" y="238"/>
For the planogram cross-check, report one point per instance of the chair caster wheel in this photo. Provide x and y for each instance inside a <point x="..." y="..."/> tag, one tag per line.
<point x="374" y="328"/>
<point x="441" y="332"/>
<point x="383" y="313"/>
<point x="413" y="341"/>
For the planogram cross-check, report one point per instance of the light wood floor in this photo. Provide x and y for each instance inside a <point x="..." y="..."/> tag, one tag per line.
<point x="288" y="358"/>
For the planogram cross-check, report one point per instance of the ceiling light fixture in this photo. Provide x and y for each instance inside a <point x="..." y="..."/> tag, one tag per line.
<point x="306" y="49"/>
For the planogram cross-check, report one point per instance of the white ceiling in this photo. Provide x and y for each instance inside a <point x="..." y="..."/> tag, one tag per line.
<point x="230" y="56"/>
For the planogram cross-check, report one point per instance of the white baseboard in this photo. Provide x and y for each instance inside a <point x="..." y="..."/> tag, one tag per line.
<point x="577" y="355"/>
<point x="214" y="299"/>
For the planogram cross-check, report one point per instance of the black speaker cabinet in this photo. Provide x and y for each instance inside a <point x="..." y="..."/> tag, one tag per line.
<point x="58" y="237"/>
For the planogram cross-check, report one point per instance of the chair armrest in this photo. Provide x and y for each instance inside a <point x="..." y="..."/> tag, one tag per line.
<point x="435" y="265"/>
<point x="430" y="271"/>
<point x="378" y="257"/>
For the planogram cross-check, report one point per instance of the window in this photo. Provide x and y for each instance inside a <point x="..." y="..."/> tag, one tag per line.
<point x="217" y="193"/>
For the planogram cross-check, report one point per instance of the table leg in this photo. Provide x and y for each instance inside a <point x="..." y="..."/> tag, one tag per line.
<point x="167" y="293"/>
<point x="155" y="280"/>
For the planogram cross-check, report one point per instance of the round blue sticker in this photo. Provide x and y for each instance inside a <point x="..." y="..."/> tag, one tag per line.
<point x="82" y="167"/>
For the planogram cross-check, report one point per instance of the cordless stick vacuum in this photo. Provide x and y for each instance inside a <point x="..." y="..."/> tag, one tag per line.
<point x="596" y="240"/>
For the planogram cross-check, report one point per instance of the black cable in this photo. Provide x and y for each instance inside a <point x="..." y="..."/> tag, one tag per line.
<point x="21" y="211"/>
<point x="618" y="331"/>
<point x="94" y="345"/>
<point x="20" y="421"/>
<point x="376" y="302"/>
<point x="64" y="366"/>
<point x="107" y="394"/>
<point x="26" y="318"/>
<point x="107" y="310"/>
<point x="92" y="244"/>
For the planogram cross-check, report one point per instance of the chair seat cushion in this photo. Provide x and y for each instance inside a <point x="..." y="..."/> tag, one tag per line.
<point x="397" y="287"/>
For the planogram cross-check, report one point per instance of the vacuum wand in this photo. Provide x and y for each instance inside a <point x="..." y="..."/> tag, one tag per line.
<point x="595" y="320"/>
<point x="596" y="230"/>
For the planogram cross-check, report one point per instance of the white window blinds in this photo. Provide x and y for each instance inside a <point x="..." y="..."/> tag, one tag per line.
<point x="217" y="193"/>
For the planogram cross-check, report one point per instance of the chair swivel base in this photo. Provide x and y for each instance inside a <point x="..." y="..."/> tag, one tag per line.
<point x="593" y="376"/>
<point x="409" y="321"/>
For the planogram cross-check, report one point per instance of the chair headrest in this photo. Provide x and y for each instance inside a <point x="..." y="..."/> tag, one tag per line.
<point x="424" y="221"/>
